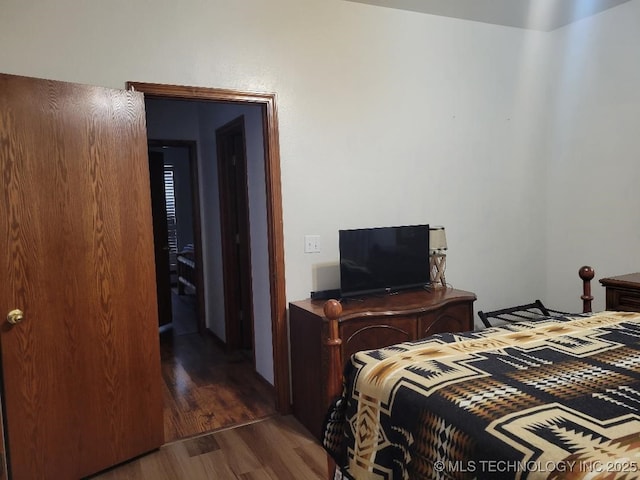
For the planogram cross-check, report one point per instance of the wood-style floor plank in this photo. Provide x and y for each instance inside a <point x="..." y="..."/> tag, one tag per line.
<point x="276" y="448"/>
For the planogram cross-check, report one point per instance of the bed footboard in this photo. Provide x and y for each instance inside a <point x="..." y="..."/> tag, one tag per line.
<point x="333" y="311"/>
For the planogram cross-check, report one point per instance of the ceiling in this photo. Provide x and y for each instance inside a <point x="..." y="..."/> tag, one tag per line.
<point x="543" y="15"/>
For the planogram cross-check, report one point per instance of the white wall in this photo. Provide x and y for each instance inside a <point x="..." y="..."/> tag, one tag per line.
<point x="386" y="117"/>
<point x="593" y="175"/>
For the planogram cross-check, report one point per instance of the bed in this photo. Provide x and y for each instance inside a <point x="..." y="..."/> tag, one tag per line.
<point x="186" y="267"/>
<point x="555" y="398"/>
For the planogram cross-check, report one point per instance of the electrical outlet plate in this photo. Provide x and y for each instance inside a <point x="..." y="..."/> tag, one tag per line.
<point x="312" y="244"/>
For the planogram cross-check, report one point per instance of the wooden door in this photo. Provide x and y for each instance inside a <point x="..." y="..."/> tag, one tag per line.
<point x="236" y="251"/>
<point x="160" y="237"/>
<point x="81" y="371"/>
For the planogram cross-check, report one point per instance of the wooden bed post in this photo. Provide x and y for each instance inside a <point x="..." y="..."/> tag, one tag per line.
<point x="586" y="274"/>
<point x="332" y="310"/>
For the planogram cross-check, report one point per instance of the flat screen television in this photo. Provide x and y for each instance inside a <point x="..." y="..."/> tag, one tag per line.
<point x="383" y="259"/>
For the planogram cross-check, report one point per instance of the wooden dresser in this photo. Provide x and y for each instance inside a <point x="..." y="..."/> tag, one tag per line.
<point x="368" y="323"/>
<point x="623" y="292"/>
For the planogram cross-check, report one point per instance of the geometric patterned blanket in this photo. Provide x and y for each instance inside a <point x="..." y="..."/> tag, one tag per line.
<point x="557" y="398"/>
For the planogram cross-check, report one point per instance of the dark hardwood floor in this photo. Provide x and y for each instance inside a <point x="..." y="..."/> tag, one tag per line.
<point x="205" y="387"/>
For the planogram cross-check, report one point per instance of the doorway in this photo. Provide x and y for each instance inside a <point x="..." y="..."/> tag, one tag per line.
<point x="177" y="230"/>
<point x="235" y="229"/>
<point x="208" y="385"/>
<point x="161" y="217"/>
<point x="273" y="285"/>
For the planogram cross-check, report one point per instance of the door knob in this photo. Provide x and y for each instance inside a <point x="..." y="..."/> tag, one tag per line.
<point x="15" y="316"/>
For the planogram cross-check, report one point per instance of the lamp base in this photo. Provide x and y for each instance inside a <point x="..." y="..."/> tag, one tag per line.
<point x="437" y="265"/>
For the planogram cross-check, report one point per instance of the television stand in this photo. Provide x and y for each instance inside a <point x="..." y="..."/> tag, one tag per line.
<point x="373" y="322"/>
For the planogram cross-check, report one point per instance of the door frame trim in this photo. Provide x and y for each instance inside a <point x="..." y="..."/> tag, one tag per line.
<point x="275" y="231"/>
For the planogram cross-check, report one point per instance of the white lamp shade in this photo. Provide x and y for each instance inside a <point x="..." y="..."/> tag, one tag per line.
<point x="437" y="239"/>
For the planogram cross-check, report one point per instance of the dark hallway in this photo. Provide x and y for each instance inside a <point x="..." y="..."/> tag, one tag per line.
<point x="204" y="387"/>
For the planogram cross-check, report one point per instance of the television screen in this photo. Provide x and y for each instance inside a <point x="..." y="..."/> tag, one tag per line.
<point x="383" y="259"/>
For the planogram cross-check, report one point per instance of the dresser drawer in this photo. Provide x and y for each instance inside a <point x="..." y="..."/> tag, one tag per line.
<point x="375" y="332"/>
<point x="453" y="318"/>
<point x="625" y="300"/>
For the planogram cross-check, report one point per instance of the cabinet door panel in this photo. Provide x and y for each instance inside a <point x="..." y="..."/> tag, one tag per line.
<point x="455" y="318"/>
<point x="377" y="332"/>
